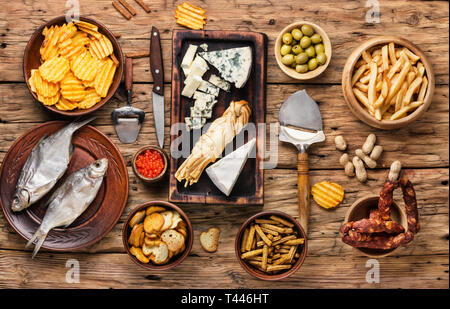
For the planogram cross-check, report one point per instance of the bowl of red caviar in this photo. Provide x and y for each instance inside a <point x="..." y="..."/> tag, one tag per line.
<point x="150" y="164"/>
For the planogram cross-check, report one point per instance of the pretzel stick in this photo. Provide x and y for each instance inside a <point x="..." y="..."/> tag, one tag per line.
<point x="137" y="55"/>
<point x="143" y="5"/>
<point x="121" y="10"/>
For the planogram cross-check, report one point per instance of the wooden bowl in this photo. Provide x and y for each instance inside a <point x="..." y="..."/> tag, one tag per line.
<point x="176" y="260"/>
<point x="361" y="209"/>
<point x="32" y="56"/>
<point x="361" y="112"/>
<point x="256" y="272"/>
<point x="163" y="172"/>
<point x="290" y="71"/>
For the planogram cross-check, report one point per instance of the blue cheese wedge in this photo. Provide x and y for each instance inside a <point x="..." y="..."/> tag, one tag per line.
<point x="188" y="58"/>
<point x="204" y="46"/>
<point x="220" y="83"/>
<point x="209" y="88"/>
<point x="225" y="172"/>
<point x="192" y="82"/>
<point x="234" y="64"/>
<point x="194" y="123"/>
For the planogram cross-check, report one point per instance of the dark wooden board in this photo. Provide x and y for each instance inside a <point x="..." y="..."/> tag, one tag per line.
<point x="101" y="215"/>
<point x="249" y="186"/>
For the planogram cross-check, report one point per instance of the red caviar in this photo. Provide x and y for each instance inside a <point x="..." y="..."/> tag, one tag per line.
<point x="150" y="163"/>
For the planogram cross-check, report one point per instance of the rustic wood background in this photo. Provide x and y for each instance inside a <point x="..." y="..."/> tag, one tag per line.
<point x="422" y="147"/>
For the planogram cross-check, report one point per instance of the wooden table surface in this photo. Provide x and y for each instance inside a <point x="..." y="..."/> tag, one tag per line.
<point x="422" y="147"/>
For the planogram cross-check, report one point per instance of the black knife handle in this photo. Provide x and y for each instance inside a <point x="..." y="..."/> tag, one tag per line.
<point x="156" y="65"/>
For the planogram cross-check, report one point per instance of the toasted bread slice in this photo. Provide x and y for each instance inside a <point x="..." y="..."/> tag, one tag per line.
<point x="210" y="239"/>
<point x="174" y="240"/>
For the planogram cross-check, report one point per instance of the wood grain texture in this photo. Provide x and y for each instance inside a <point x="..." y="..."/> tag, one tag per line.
<point x="422" y="147"/>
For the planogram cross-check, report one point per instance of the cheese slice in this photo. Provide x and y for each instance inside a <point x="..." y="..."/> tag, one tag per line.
<point x="225" y="172"/>
<point x="234" y="64"/>
<point x="191" y="84"/>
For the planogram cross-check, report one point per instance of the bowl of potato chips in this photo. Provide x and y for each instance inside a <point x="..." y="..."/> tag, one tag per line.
<point x="388" y="82"/>
<point x="73" y="67"/>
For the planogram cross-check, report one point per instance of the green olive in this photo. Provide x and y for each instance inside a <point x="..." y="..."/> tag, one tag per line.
<point x="285" y="49"/>
<point x="301" y="58"/>
<point x="301" y="68"/>
<point x="297" y="49"/>
<point x="311" y="51"/>
<point x="312" y="64"/>
<point x="287" y="59"/>
<point x="316" y="38"/>
<point x="297" y="34"/>
<point x="307" y="30"/>
<point x="321" y="58"/>
<point x="305" y="42"/>
<point x="319" y="48"/>
<point x="287" y="38"/>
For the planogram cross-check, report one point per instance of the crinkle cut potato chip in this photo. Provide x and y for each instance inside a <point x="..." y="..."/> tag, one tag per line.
<point x="84" y="66"/>
<point x="104" y="77"/>
<point x="327" y="194"/>
<point x="90" y="99"/>
<point x="41" y="86"/>
<point x="65" y="105"/>
<point x="101" y="48"/>
<point x="49" y="100"/>
<point x="53" y="70"/>
<point x="72" y="88"/>
<point x="76" y="70"/>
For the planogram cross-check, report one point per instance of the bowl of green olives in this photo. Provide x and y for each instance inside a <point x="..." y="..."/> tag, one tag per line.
<point x="303" y="50"/>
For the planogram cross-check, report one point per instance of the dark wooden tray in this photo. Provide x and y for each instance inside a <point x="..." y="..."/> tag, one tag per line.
<point x="102" y="214"/>
<point x="249" y="188"/>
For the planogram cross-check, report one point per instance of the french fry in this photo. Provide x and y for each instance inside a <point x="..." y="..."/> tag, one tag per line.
<point x="385" y="58"/>
<point x="411" y="90"/>
<point x="367" y="58"/>
<point x="413" y="57"/>
<point x="395" y="68"/>
<point x="410" y="77"/>
<point x="384" y="88"/>
<point x="391" y="50"/>
<point x="399" y="99"/>
<point x="360" y="63"/>
<point x="379" y="101"/>
<point x="362" y="87"/>
<point x="421" y="69"/>
<point x="400" y="113"/>
<point x="423" y="89"/>
<point x="363" y="99"/>
<point x="376" y="52"/>
<point x="371" y="94"/>
<point x="357" y="75"/>
<point x="396" y="86"/>
<point x="365" y="79"/>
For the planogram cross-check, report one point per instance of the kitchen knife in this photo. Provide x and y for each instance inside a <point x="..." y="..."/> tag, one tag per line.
<point x="157" y="69"/>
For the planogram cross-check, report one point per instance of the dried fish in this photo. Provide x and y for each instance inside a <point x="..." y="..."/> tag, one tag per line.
<point x="70" y="200"/>
<point x="45" y="165"/>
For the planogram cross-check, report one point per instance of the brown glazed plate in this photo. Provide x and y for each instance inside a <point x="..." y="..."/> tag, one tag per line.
<point x="101" y="215"/>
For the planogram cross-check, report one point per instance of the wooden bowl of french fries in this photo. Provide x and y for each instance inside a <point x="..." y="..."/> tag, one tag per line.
<point x="72" y="68"/>
<point x="388" y="82"/>
<point x="271" y="245"/>
<point x="157" y="245"/>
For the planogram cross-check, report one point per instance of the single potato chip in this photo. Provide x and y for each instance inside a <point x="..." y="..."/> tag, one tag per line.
<point x="327" y="194"/>
<point x="49" y="47"/>
<point x="91" y="32"/>
<point x="84" y="66"/>
<point x="72" y="88"/>
<point x="69" y="48"/>
<point x="43" y="87"/>
<point x="90" y="99"/>
<point x="81" y="38"/>
<point x="65" y="105"/>
<point x="101" y="48"/>
<point x="86" y="25"/>
<point x="105" y="77"/>
<point x="48" y="100"/>
<point x="53" y="70"/>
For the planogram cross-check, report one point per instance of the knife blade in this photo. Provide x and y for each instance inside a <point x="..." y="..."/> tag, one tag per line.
<point x="157" y="69"/>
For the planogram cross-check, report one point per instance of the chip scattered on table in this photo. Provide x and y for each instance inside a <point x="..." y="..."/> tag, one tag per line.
<point x="190" y="16"/>
<point x="327" y="194"/>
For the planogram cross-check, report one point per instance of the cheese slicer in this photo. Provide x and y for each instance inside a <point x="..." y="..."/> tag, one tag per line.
<point x="301" y="125"/>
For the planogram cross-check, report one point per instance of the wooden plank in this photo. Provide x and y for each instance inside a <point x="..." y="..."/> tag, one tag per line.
<point x="425" y="23"/>
<point x="421" y="144"/>
<point x="431" y="186"/>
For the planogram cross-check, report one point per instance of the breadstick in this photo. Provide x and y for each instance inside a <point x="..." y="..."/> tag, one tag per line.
<point x="282" y="221"/>
<point x="294" y="242"/>
<point x="271" y="268"/>
<point x="263" y="236"/>
<point x="244" y="240"/>
<point x="266" y="221"/>
<point x="251" y="236"/>
<point x="284" y="239"/>
<point x="265" y="252"/>
<point x="269" y="231"/>
<point x="246" y="255"/>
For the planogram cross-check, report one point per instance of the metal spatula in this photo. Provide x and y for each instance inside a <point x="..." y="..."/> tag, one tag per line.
<point x="301" y="125"/>
<point x="128" y="120"/>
